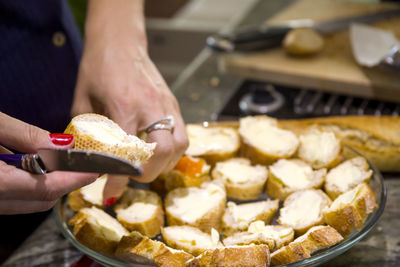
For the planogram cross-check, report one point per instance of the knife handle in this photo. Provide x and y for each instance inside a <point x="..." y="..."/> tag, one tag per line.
<point x="27" y="162"/>
<point x="250" y="39"/>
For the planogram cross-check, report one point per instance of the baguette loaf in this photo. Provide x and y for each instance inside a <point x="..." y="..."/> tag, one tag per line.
<point x="290" y="175"/>
<point x="200" y="207"/>
<point x="95" y="132"/>
<point x="214" y="144"/>
<point x="140" y="210"/>
<point x="97" y="230"/>
<point x="89" y="195"/>
<point x="275" y="236"/>
<point x="264" y="142"/>
<point x="234" y="256"/>
<point x="136" y="248"/>
<point x="316" y="238"/>
<point x="303" y="210"/>
<point x="190" y="239"/>
<point x="238" y="217"/>
<point x="349" y="210"/>
<point x="320" y="149"/>
<point x="346" y="176"/>
<point x="242" y="181"/>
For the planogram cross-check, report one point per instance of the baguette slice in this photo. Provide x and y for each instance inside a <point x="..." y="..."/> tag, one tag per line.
<point x="275" y="236"/>
<point x="136" y="248"/>
<point x="95" y="132"/>
<point x="264" y="142"/>
<point x="190" y="239"/>
<point x="97" y="230"/>
<point x="320" y="149"/>
<point x="140" y="210"/>
<point x="346" y="176"/>
<point x="214" y="144"/>
<point x="234" y="256"/>
<point x="200" y="207"/>
<point x="89" y="195"/>
<point x="316" y="238"/>
<point x="290" y="175"/>
<point x="303" y="210"/>
<point x="242" y="181"/>
<point x="350" y="209"/>
<point x="238" y="217"/>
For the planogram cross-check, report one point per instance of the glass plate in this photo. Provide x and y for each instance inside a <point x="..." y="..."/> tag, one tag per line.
<point x="63" y="213"/>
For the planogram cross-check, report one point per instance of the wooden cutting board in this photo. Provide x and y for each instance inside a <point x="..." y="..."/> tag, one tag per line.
<point x="334" y="68"/>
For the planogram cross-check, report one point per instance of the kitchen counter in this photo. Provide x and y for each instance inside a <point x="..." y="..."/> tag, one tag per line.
<point x="201" y="92"/>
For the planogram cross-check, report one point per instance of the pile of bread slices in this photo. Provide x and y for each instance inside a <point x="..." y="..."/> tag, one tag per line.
<point x="241" y="196"/>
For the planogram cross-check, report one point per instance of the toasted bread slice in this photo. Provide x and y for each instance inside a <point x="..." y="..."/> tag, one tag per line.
<point x="200" y="207"/>
<point x="97" y="230"/>
<point x="89" y="195"/>
<point x="290" y="175"/>
<point x="346" y="176"/>
<point x="234" y="256"/>
<point x="140" y="210"/>
<point x="242" y="181"/>
<point x="214" y="144"/>
<point x="238" y="217"/>
<point x="264" y="142"/>
<point x="303" y="210"/>
<point x="316" y="238"/>
<point x="320" y="149"/>
<point x="190" y="239"/>
<point x="275" y="236"/>
<point x="94" y="132"/>
<point x="349" y="210"/>
<point x="136" y="248"/>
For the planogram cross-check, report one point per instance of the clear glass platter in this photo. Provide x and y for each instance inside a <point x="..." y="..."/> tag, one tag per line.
<point x="63" y="213"/>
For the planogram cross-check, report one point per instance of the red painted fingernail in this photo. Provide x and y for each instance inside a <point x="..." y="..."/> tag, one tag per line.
<point x="61" y="139"/>
<point x="100" y="174"/>
<point x="110" y="201"/>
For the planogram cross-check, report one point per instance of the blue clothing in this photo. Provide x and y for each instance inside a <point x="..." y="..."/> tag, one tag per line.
<point x="38" y="67"/>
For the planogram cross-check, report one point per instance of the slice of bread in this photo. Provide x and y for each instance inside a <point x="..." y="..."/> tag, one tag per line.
<point x="200" y="207"/>
<point x="316" y="238"/>
<point x="303" y="210"/>
<point x="89" y="195"/>
<point x="242" y="181"/>
<point x="136" y="248"/>
<point x="237" y="217"/>
<point x="346" y="176"/>
<point x="234" y="256"/>
<point x="275" y="236"/>
<point x="214" y="144"/>
<point x="97" y="230"/>
<point x="263" y="141"/>
<point x="290" y="175"/>
<point x="94" y="132"/>
<point x="320" y="149"/>
<point x="140" y="210"/>
<point x="349" y="210"/>
<point x="190" y="239"/>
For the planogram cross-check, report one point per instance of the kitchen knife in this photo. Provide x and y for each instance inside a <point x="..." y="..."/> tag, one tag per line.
<point x="47" y="160"/>
<point x="269" y="36"/>
<point x="372" y="46"/>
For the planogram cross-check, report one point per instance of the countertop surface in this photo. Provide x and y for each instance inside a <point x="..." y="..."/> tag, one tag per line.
<point x="201" y="92"/>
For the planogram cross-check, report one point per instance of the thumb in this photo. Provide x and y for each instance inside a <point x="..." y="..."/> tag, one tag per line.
<point x="27" y="138"/>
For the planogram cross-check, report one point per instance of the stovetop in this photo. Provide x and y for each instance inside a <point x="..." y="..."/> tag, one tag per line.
<point x="253" y="98"/>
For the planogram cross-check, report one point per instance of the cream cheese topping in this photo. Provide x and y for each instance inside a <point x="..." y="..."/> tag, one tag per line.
<point x="138" y="211"/>
<point x="240" y="171"/>
<point x="93" y="192"/>
<point x="101" y="132"/>
<point x="191" y="236"/>
<point x="293" y="173"/>
<point x="245" y="213"/>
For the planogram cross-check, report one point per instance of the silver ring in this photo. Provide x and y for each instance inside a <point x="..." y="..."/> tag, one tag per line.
<point x="166" y="123"/>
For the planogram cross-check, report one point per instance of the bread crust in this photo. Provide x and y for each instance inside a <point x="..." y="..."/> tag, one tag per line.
<point x="352" y="215"/>
<point x="136" y="248"/>
<point x="316" y="238"/>
<point x="77" y="202"/>
<point x="235" y="256"/>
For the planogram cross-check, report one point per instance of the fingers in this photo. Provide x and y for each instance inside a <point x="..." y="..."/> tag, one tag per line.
<point x="28" y="138"/>
<point x="115" y="186"/>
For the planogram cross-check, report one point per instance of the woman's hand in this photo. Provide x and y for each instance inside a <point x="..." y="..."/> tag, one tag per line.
<point x="117" y="78"/>
<point x="22" y="192"/>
